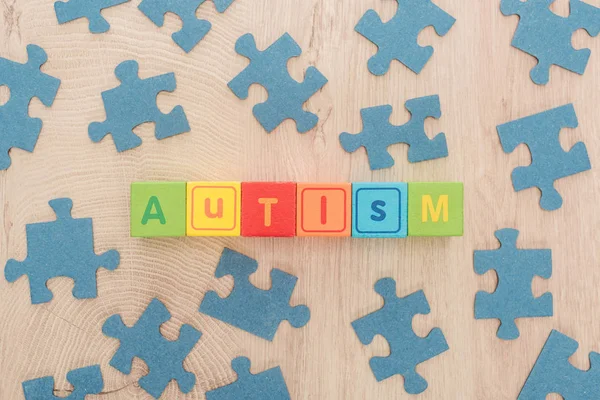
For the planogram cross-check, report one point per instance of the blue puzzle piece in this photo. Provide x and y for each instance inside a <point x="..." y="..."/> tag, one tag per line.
<point x="394" y="323"/>
<point x="378" y="134"/>
<point x="397" y="38"/>
<point x="163" y="357"/>
<point x="553" y="373"/>
<point x="513" y="297"/>
<point x="134" y="103"/>
<point x="540" y="132"/>
<point x="25" y="82"/>
<point x="268" y="68"/>
<point x="254" y="310"/>
<point x="85" y="381"/>
<point x="64" y="247"/>
<point x="547" y="36"/>
<point x="90" y="9"/>
<point x="194" y="29"/>
<point x="266" y="385"/>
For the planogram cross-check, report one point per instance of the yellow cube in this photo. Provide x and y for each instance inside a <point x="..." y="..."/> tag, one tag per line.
<point x="214" y="208"/>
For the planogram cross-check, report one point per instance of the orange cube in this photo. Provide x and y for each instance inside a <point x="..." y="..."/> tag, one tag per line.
<point x="324" y="209"/>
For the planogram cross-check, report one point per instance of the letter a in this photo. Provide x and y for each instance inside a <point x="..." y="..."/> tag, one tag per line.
<point x="154" y="204"/>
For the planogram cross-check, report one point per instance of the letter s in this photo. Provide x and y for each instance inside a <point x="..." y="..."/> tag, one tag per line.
<point x="376" y="206"/>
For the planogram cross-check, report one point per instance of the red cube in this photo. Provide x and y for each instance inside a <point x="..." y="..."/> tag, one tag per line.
<point x="269" y="209"/>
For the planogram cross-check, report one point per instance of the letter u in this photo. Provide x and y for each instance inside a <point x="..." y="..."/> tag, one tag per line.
<point x="208" y="211"/>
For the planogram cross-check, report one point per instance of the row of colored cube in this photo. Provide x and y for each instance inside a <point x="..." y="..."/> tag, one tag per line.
<point x="286" y="209"/>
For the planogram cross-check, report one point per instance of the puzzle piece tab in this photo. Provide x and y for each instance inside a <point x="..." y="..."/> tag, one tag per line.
<point x="90" y="9"/>
<point x="394" y="323"/>
<point x="266" y="385"/>
<point x="64" y="247"/>
<point x="378" y="134"/>
<point x="547" y="36"/>
<point x="513" y="297"/>
<point x="164" y="358"/>
<point x="134" y="103"/>
<point x="254" y="310"/>
<point x="268" y="68"/>
<point x="194" y="29"/>
<point x="553" y="373"/>
<point x="25" y="81"/>
<point x="397" y="38"/>
<point x="85" y="381"/>
<point x="540" y="132"/>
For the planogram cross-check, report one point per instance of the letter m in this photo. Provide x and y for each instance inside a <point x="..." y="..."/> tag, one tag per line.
<point x="428" y="209"/>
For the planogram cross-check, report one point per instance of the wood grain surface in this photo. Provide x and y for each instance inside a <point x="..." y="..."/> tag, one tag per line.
<point x="482" y="82"/>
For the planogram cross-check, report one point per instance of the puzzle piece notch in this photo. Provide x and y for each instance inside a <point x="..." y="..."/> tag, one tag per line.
<point x="25" y="82"/>
<point x="268" y="68"/>
<point x="193" y="29"/>
<point x="85" y="381"/>
<point x="378" y="134"/>
<point x="553" y="373"/>
<point x="89" y="9"/>
<point x="397" y="38"/>
<point x="513" y="297"/>
<point x="540" y="132"/>
<point x="61" y="248"/>
<point x="394" y="322"/>
<point x="163" y="357"/>
<point x="548" y="36"/>
<point x="265" y="385"/>
<point x="254" y="310"/>
<point x="133" y="103"/>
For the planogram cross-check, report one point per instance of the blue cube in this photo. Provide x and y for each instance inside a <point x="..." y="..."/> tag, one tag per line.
<point x="379" y="210"/>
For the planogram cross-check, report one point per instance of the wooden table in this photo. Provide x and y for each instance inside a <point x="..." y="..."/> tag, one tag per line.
<point x="482" y="82"/>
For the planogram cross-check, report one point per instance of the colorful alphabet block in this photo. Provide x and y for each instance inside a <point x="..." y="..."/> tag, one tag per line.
<point x="435" y="209"/>
<point x="287" y="209"/>
<point x="157" y="209"/>
<point x="269" y="209"/>
<point x="379" y="210"/>
<point x="324" y="209"/>
<point x="214" y="208"/>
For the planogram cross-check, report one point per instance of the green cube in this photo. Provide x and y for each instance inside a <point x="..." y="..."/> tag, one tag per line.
<point x="158" y="209"/>
<point x="435" y="209"/>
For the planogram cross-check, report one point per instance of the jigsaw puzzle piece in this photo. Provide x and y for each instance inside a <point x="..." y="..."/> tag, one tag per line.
<point x="513" y="297"/>
<point x="24" y="137"/>
<point x="268" y="68"/>
<point x="421" y="148"/>
<point x="90" y="9"/>
<point x="553" y="373"/>
<point x="394" y="322"/>
<point x="540" y="132"/>
<point x="85" y="381"/>
<point x="193" y="30"/>
<point x="222" y="5"/>
<point x="164" y="358"/>
<point x="280" y="106"/>
<point x="265" y="385"/>
<point x="378" y="134"/>
<point x="397" y="38"/>
<point x="134" y="103"/>
<point x="548" y="37"/>
<point x="61" y="248"/>
<point x="254" y="310"/>
<point x="273" y="59"/>
<point x="25" y="82"/>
